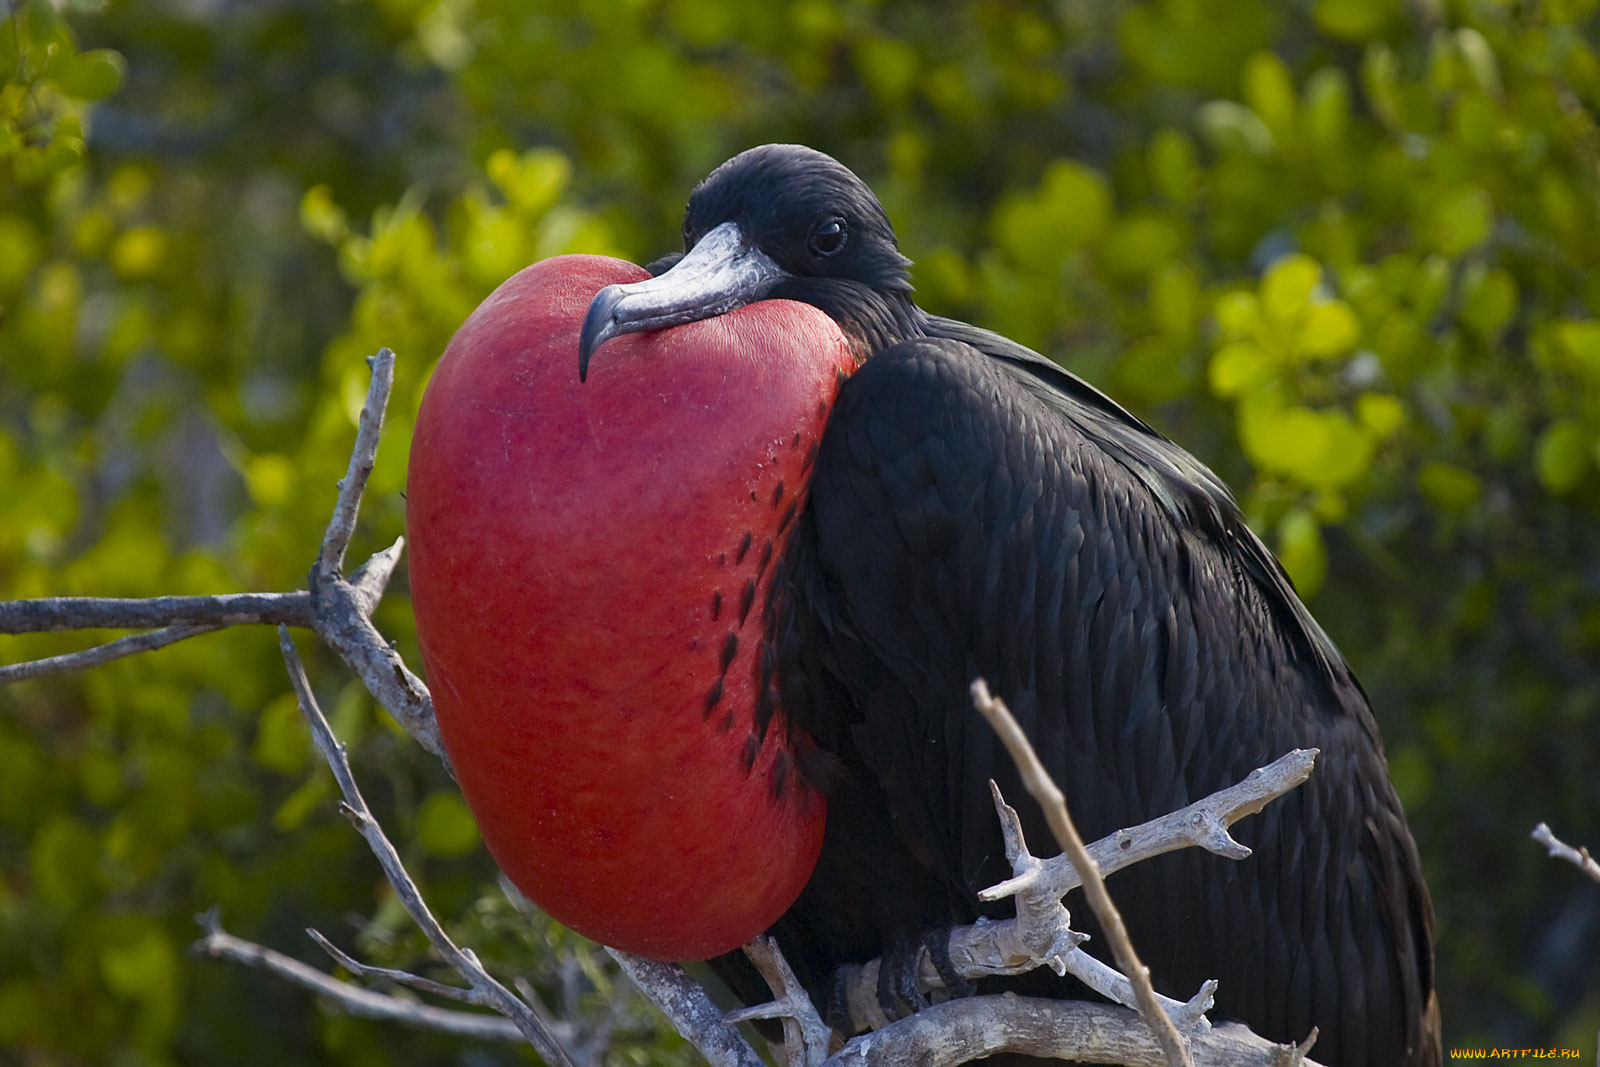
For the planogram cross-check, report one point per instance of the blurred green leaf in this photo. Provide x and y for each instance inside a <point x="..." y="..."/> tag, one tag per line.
<point x="1478" y="55"/>
<point x="1230" y="126"/>
<point x="283" y="740"/>
<point x="1141" y="242"/>
<point x="143" y="968"/>
<point x="1448" y="487"/>
<point x="1287" y="286"/>
<point x="1580" y="345"/>
<point x="532" y="181"/>
<point x="92" y="75"/>
<point x="1459" y="219"/>
<point x="1355" y="20"/>
<point x="1269" y="92"/>
<point x="1237" y="368"/>
<point x="315" y="794"/>
<point x="63" y="858"/>
<point x="1174" y="166"/>
<point x="1328" y="329"/>
<point x="1175" y="299"/>
<point x="1302" y="552"/>
<point x="139" y="252"/>
<point x="1488" y="299"/>
<point x="1320" y="449"/>
<point x="1238" y="314"/>
<point x="1326" y="106"/>
<point x="444" y="825"/>
<point x="1067" y="211"/>
<point x="321" y="215"/>
<point x="1380" y="413"/>
<point x="1563" y="455"/>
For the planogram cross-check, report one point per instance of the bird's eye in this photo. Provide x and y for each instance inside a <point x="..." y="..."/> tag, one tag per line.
<point x="829" y="236"/>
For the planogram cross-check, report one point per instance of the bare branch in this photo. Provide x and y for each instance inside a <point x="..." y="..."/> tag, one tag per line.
<point x="463" y="962"/>
<point x="221" y="945"/>
<point x="690" y="1010"/>
<point x="959" y="1031"/>
<point x="180" y="617"/>
<point x="338" y="610"/>
<point x="57" y="613"/>
<point x="1113" y="985"/>
<point x="341" y="622"/>
<point x="94" y="657"/>
<point x="805" y="1036"/>
<point x="342" y="608"/>
<point x="371" y="578"/>
<point x="389" y="974"/>
<point x="1054" y="804"/>
<point x="1578" y="857"/>
<point x="368" y="428"/>
<point x="1204" y="823"/>
<point x="1039" y="935"/>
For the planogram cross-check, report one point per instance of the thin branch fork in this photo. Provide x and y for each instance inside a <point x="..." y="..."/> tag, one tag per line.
<point x="486" y="990"/>
<point x="1045" y="791"/>
<point x="98" y="654"/>
<point x="805" y="1036"/>
<point x="221" y="945"/>
<point x="1204" y="823"/>
<point x="685" y="1004"/>
<point x="337" y="609"/>
<point x="1003" y="947"/>
<point x="178" y="618"/>
<point x="1043" y="921"/>
<point x="1041" y="935"/>
<point x="389" y="974"/>
<point x="343" y="608"/>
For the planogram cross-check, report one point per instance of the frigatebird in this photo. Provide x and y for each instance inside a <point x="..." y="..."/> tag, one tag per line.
<point x="977" y="510"/>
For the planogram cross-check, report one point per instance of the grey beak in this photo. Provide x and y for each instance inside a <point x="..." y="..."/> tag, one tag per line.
<point x="721" y="272"/>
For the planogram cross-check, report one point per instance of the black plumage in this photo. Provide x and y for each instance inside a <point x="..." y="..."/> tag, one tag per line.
<point x="975" y="510"/>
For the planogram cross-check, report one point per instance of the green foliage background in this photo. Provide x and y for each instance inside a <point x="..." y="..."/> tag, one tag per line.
<point x="1347" y="251"/>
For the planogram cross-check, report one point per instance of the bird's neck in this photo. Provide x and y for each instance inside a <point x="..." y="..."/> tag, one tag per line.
<point x="871" y="318"/>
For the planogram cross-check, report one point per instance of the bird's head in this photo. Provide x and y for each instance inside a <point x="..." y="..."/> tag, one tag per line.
<point x="778" y="221"/>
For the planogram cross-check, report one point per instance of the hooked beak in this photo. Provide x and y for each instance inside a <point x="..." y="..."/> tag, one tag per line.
<point x="721" y="272"/>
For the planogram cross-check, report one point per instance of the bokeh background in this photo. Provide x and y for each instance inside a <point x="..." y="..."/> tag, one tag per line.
<point x="1346" y="251"/>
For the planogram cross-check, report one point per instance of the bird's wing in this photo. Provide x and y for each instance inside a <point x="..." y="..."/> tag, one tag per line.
<point x="1186" y="488"/>
<point x="968" y="517"/>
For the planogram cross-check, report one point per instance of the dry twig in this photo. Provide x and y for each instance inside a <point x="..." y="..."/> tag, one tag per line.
<point x="1040" y="936"/>
<point x="57" y="613"/>
<point x="336" y="608"/>
<point x="1043" y="934"/>
<point x="486" y="990"/>
<point x="219" y="944"/>
<point x="683" y="1001"/>
<point x="98" y="654"/>
<point x="805" y="1036"/>
<point x="1204" y="823"/>
<point x="1042" y="789"/>
<point x="959" y="1031"/>
<point x="1578" y="857"/>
